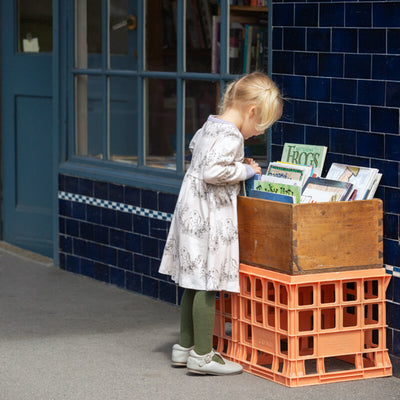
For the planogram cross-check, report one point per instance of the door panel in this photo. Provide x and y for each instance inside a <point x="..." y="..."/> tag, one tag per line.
<point x="27" y="125"/>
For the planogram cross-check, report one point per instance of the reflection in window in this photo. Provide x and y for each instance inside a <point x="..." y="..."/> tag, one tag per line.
<point x="123" y="115"/>
<point x="35" y="26"/>
<point x="160" y="123"/>
<point x="88" y="116"/>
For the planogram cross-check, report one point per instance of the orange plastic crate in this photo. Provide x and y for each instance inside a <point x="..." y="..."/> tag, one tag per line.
<point x="306" y="329"/>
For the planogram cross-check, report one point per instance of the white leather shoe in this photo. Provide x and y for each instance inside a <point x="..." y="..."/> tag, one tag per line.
<point x="204" y="365"/>
<point x="180" y="355"/>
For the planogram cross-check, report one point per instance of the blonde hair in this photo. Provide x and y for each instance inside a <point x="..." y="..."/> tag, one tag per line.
<point x="258" y="89"/>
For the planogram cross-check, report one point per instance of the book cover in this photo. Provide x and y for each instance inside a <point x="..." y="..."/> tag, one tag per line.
<point x="260" y="194"/>
<point x="321" y="190"/>
<point x="280" y="186"/>
<point x="290" y="171"/>
<point x="305" y="154"/>
<point x="362" y="178"/>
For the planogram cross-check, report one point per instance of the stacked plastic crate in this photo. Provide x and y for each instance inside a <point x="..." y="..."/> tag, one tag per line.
<point x="308" y="328"/>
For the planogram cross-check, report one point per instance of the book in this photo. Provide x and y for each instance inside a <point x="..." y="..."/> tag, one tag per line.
<point x="321" y="190"/>
<point x="260" y="194"/>
<point x="305" y="154"/>
<point x="290" y="171"/>
<point x="362" y="178"/>
<point x="281" y="186"/>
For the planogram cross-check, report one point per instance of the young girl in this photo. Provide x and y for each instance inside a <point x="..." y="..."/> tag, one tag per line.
<point x="202" y="249"/>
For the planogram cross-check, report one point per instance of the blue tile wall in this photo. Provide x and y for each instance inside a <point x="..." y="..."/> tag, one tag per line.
<point x="338" y="64"/>
<point x="115" y="234"/>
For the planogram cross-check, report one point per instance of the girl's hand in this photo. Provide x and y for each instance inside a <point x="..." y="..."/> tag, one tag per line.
<point x="256" y="167"/>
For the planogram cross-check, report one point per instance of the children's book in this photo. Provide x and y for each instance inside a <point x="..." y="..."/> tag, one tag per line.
<point x="280" y="186"/>
<point x="305" y="154"/>
<point x="321" y="190"/>
<point x="362" y="178"/>
<point x="290" y="171"/>
<point x="261" y="194"/>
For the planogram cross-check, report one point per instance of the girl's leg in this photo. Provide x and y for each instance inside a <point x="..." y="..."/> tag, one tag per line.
<point x="186" y="336"/>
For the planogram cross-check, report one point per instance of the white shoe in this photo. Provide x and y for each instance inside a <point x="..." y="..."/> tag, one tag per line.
<point x="205" y="365"/>
<point x="180" y="355"/>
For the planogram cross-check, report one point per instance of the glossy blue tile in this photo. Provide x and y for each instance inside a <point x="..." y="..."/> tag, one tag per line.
<point x="331" y="65"/>
<point x="371" y="92"/>
<point x="158" y="229"/>
<point x="356" y="117"/>
<point x="117" y="277"/>
<point x="330" y="115"/>
<point x="306" y="14"/>
<point x="100" y="190"/>
<point x="393" y="315"/>
<point x="392" y="205"/>
<point x="125" y="260"/>
<point x="343" y="91"/>
<point x="305" y="64"/>
<point x="293" y="86"/>
<point x="387" y="14"/>
<point x="372" y="41"/>
<point x="167" y="202"/>
<point x="150" y="287"/>
<point x="141" y="264"/>
<point x="294" y="38"/>
<point x="65" y="244"/>
<point x="386" y="67"/>
<point x="78" y="210"/>
<point x="161" y="246"/>
<point x="87" y="267"/>
<point x="393" y="38"/>
<point x="317" y="135"/>
<point x="396" y="342"/>
<point x="116" y="193"/>
<point x="390" y="171"/>
<point x="389" y="290"/>
<point x="342" y="141"/>
<point x="283" y="14"/>
<point x="357" y="66"/>
<point x="62" y="260"/>
<point x="168" y="292"/>
<point x="331" y="14"/>
<point x="132" y="196"/>
<point x="149" y="199"/>
<point x="150" y="246"/>
<point x="101" y="272"/>
<point x="124" y="220"/>
<point x="86" y="230"/>
<point x="354" y="160"/>
<point x="72" y="227"/>
<point x="393" y="94"/>
<point x="277" y="38"/>
<point x="133" y="282"/>
<point x="282" y="62"/>
<point x="358" y="15"/>
<point x="101" y="234"/>
<point x="318" y="39"/>
<point x="385" y="120"/>
<point x="61" y="225"/>
<point x="61" y="182"/>
<point x="108" y="255"/>
<point x="305" y="112"/>
<point x="154" y="266"/>
<point x="370" y="145"/>
<point x="134" y="242"/>
<point x="318" y="89"/>
<point x="392" y="147"/>
<point x="117" y="238"/>
<point x="344" y="40"/>
<point x="80" y="247"/>
<point x="93" y="251"/>
<point x="293" y="133"/>
<point x="396" y="289"/>
<point x="391" y="226"/>
<point x="65" y="208"/>
<point x="71" y="184"/>
<point x="109" y="217"/>
<point x="141" y="225"/>
<point x="85" y="187"/>
<point x="93" y="214"/>
<point x="72" y="264"/>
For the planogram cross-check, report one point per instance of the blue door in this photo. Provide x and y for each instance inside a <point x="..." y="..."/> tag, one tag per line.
<point x="27" y="136"/>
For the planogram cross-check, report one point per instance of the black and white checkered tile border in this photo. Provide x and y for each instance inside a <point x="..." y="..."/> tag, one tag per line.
<point x="145" y="212"/>
<point x="395" y="271"/>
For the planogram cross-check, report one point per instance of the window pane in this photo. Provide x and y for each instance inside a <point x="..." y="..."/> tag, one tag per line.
<point x="123" y="117"/>
<point x="89" y="116"/>
<point x="122" y="35"/>
<point x="201" y="54"/>
<point x="161" y="35"/>
<point x="35" y="26"/>
<point x="161" y="123"/>
<point x="88" y="36"/>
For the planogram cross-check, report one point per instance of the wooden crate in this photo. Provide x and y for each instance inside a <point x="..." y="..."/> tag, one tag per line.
<point x="307" y="238"/>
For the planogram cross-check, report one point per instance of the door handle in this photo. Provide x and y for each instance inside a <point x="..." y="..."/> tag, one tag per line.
<point x="130" y="22"/>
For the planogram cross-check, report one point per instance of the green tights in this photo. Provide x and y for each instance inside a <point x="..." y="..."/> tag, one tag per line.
<point x="197" y="320"/>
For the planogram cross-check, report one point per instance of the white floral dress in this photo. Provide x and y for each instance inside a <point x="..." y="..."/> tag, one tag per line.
<point x="202" y="249"/>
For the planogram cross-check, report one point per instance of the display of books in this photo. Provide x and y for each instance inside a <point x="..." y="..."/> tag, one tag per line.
<point x="305" y="154"/>
<point x="321" y="190"/>
<point x="365" y="180"/>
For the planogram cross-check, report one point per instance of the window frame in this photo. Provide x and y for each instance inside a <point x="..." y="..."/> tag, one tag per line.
<point x="138" y="175"/>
